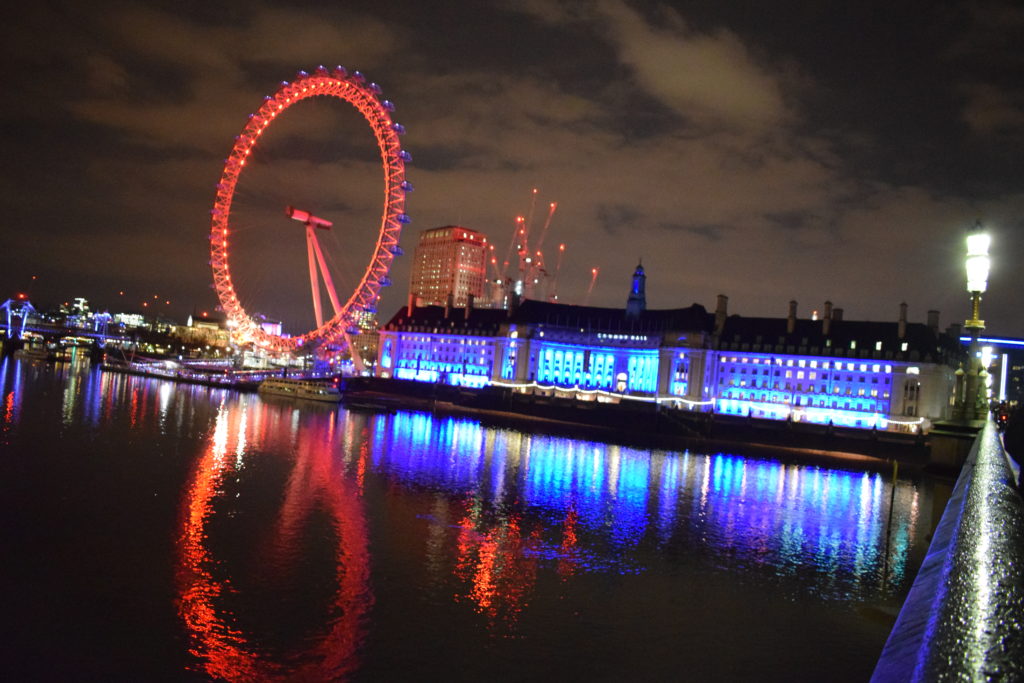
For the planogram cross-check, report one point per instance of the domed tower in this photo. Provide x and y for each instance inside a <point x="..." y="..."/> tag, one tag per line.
<point x="637" y="302"/>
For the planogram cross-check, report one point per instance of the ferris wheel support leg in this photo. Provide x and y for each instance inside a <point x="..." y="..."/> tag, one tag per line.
<point x="314" y="282"/>
<point x="327" y="276"/>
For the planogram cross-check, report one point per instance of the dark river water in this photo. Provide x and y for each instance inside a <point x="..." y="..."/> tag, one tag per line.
<point x="154" y="531"/>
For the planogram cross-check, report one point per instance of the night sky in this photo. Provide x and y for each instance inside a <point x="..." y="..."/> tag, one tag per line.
<point x="766" y="151"/>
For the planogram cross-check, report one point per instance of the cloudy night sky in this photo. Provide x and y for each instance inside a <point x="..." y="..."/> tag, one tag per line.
<point x="766" y="151"/>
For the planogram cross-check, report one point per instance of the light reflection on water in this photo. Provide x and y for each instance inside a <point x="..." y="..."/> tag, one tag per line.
<point x="289" y="499"/>
<point x="218" y="639"/>
<point x="745" y="513"/>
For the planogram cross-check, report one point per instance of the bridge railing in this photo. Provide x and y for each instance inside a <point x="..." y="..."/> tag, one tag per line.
<point x="964" y="616"/>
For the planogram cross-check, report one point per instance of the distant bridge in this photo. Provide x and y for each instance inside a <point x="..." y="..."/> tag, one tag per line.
<point x="19" y="317"/>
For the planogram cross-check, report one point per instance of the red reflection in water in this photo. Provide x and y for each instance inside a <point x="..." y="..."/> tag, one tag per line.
<point x="500" y="566"/>
<point x="364" y="456"/>
<point x="133" y="414"/>
<point x="567" y="560"/>
<point x="9" y="408"/>
<point x="223" y="649"/>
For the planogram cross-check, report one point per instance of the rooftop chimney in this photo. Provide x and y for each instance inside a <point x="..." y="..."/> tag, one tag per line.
<point x="826" y="321"/>
<point x="837" y="314"/>
<point x="791" y="320"/>
<point x="469" y="305"/>
<point x="449" y="303"/>
<point x="933" y="321"/>
<point x="901" y="329"/>
<point x="721" y="312"/>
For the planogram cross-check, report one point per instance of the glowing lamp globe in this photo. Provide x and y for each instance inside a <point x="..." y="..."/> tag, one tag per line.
<point x="977" y="261"/>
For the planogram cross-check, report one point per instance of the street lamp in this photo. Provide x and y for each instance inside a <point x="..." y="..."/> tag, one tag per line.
<point x="977" y="266"/>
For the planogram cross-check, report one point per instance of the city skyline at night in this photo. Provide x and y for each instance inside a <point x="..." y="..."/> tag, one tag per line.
<point x="767" y="154"/>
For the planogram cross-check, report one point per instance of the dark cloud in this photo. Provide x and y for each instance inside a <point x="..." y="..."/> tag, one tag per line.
<point x="618" y="219"/>
<point x="708" y="233"/>
<point x="766" y="154"/>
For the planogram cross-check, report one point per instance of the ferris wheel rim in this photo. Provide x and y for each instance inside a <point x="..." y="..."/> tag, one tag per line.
<point x="366" y="98"/>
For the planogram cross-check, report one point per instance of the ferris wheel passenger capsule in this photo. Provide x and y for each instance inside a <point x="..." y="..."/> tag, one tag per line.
<point x="406" y="186"/>
<point x="340" y="71"/>
<point x="396" y="250"/>
<point x="385" y="281"/>
<point x="375" y="89"/>
<point x="398" y="128"/>
<point x="405" y="156"/>
<point x="301" y="74"/>
<point x="404" y="218"/>
<point x="358" y="77"/>
<point x="388" y="104"/>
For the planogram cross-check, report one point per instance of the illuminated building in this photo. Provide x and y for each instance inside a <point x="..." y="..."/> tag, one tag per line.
<point x="1003" y="360"/>
<point x="433" y="344"/>
<point x="206" y="329"/>
<point x="852" y="373"/>
<point x="449" y="261"/>
<point x="272" y="327"/>
<point x="130" y="320"/>
<point x="77" y="314"/>
<point x="365" y="340"/>
<point x="884" y="375"/>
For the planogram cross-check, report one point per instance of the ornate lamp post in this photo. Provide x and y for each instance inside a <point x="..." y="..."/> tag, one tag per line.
<point x="977" y="265"/>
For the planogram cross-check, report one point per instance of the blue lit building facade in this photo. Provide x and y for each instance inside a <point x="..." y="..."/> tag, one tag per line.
<point x="884" y="375"/>
<point x="895" y="376"/>
<point x="456" y="346"/>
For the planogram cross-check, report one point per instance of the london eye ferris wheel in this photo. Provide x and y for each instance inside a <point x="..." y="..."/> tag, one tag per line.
<point x="335" y="327"/>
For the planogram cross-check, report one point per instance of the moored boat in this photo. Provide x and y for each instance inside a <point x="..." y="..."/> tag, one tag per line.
<point x="300" y="388"/>
<point x="33" y="353"/>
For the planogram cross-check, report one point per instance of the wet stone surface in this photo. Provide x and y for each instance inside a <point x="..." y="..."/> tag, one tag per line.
<point x="964" y="616"/>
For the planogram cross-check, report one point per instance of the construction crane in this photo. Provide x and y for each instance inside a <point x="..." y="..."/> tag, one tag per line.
<point x="553" y="296"/>
<point x="593" y="281"/>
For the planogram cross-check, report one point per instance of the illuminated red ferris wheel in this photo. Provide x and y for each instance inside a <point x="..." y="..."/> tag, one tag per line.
<point x="366" y="98"/>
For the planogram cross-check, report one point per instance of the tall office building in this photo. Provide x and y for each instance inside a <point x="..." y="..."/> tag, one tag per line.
<point x="449" y="260"/>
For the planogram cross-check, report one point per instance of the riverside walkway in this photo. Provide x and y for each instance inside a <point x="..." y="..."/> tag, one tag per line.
<point x="963" y="619"/>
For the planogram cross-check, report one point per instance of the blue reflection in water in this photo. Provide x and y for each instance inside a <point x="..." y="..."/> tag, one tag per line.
<point x="602" y="506"/>
<point x="439" y="452"/>
<point x="735" y="513"/>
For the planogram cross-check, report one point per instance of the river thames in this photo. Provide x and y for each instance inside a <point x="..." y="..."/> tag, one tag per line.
<point x="162" y="531"/>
